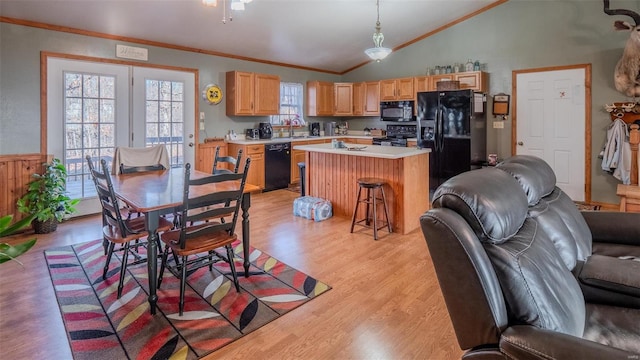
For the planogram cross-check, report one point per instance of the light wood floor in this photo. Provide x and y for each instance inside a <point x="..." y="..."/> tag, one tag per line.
<point x="385" y="302"/>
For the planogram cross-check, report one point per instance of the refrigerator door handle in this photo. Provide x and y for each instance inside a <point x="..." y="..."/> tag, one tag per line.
<point x="436" y="143"/>
<point x="440" y="138"/>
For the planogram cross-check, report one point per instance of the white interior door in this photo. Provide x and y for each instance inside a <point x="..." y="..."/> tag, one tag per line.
<point x="551" y="124"/>
<point x="164" y="112"/>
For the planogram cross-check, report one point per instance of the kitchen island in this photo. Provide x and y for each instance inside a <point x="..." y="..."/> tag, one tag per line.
<point x="332" y="174"/>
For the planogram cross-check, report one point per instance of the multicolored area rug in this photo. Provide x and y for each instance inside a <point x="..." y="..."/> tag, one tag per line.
<point x="99" y="326"/>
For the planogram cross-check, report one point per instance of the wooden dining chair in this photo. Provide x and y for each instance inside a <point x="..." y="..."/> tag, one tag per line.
<point x="205" y="233"/>
<point x="117" y="229"/>
<point x="234" y="163"/>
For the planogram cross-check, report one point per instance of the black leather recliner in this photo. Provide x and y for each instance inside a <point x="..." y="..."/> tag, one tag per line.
<point x="507" y="280"/>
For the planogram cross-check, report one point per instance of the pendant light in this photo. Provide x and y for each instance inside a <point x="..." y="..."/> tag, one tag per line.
<point x="378" y="52"/>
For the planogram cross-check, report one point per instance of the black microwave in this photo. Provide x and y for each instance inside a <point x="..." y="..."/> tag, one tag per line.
<point x="397" y="111"/>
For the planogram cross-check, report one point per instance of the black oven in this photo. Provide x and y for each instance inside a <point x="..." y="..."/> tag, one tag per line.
<point x="400" y="111"/>
<point x="397" y="135"/>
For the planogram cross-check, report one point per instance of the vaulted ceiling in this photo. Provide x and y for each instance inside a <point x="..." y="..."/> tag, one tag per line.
<point x="324" y="35"/>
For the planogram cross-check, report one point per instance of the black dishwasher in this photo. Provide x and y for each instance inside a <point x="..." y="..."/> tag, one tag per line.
<point x="277" y="166"/>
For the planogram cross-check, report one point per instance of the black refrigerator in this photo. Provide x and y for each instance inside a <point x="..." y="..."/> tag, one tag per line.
<point x="453" y="124"/>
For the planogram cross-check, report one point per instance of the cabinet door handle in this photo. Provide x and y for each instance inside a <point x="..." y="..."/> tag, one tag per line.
<point x="520" y="143"/>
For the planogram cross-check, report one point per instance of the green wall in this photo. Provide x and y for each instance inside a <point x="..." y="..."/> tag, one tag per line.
<point x="20" y="48"/>
<point x="525" y="34"/>
<point x="519" y="34"/>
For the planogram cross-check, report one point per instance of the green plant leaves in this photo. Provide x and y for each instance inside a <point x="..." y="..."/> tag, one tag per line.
<point x="7" y="229"/>
<point x="46" y="195"/>
<point x="8" y="252"/>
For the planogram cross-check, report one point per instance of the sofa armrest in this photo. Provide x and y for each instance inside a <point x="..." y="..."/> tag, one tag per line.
<point x="528" y="342"/>
<point x="613" y="227"/>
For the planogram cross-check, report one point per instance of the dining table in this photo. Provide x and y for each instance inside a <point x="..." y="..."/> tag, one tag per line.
<point x="156" y="193"/>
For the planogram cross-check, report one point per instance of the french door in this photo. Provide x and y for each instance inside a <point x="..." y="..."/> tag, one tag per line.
<point x="94" y="107"/>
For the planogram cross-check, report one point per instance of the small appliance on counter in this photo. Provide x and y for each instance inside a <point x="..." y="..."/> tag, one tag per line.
<point x="314" y="129"/>
<point x="252" y="134"/>
<point x="330" y="128"/>
<point x="265" y="130"/>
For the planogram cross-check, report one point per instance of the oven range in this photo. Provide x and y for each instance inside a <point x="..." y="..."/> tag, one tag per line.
<point x="397" y="135"/>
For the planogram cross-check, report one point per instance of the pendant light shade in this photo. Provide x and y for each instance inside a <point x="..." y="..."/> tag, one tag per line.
<point x="378" y="52"/>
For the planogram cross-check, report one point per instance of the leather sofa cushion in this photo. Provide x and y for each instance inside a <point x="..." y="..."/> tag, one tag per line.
<point x="609" y="273"/>
<point x="557" y="213"/>
<point x="494" y="212"/>
<point x="534" y="175"/>
<point x="538" y="288"/>
<point x="614" y="326"/>
<point x="567" y="210"/>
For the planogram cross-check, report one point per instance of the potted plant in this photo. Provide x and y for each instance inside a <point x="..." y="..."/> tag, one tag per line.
<point x="47" y="198"/>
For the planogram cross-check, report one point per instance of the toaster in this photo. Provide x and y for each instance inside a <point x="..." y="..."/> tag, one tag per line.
<point x="252" y="134"/>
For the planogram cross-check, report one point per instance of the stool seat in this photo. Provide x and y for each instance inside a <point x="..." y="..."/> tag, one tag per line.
<point x="372" y="185"/>
<point x="371" y="182"/>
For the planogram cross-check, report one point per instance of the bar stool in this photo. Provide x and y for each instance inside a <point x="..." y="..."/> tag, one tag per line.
<point x="301" y="167"/>
<point x="371" y="185"/>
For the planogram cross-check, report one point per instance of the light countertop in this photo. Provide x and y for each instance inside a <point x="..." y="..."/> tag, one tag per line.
<point x="387" y="152"/>
<point x="293" y="140"/>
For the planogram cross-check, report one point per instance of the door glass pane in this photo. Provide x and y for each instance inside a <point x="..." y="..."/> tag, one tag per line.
<point x="89" y="127"/>
<point x="164" y="121"/>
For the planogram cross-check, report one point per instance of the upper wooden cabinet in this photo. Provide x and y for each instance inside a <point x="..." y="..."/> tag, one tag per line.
<point x="358" y="98"/>
<point x="397" y="89"/>
<point x="252" y="94"/>
<point x="433" y="83"/>
<point x="476" y="80"/>
<point x="422" y="83"/>
<point x="371" y="98"/>
<point x="319" y="98"/>
<point x="343" y="99"/>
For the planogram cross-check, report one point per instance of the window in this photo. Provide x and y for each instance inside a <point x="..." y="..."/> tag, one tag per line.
<point x="291" y="105"/>
<point x="165" y="118"/>
<point x="89" y="126"/>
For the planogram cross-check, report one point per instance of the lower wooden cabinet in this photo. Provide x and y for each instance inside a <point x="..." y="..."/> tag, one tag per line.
<point x="205" y="153"/>
<point x="256" y="169"/>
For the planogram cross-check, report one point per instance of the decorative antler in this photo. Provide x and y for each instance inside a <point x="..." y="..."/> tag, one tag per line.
<point x="630" y="13"/>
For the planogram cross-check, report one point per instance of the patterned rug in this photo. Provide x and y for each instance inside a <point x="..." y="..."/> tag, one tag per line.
<point x="99" y="326"/>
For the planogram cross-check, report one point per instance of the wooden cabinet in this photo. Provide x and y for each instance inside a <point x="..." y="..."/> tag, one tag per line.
<point x="422" y="83"/>
<point x="298" y="156"/>
<point x="319" y="98"/>
<point x="476" y="80"/>
<point x="442" y="77"/>
<point x="371" y="98"/>
<point x="252" y="94"/>
<point x="256" y="154"/>
<point x="358" y="98"/>
<point x="343" y="99"/>
<point x="397" y="89"/>
<point x="205" y="153"/>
